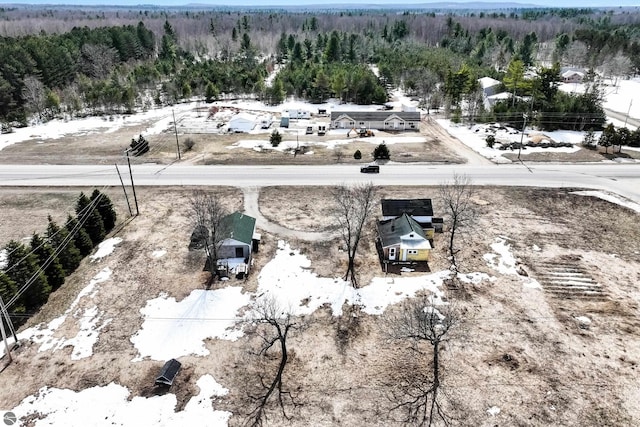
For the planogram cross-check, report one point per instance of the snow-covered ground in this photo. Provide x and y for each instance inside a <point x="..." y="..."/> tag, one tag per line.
<point x="112" y="405"/>
<point x="89" y="322"/>
<point x="618" y="98"/>
<point x="105" y="248"/>
<point x="475" y="138"/>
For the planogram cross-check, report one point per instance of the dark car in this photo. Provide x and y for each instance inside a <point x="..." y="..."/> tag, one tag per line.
<point x="370" y="169"/>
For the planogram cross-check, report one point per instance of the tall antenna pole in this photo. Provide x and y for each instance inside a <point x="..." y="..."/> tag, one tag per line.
<point x="126" y="197"/>
<point x="132" y="184"/>
<point x="4" y="315"/>
<point x="175" y="129"/>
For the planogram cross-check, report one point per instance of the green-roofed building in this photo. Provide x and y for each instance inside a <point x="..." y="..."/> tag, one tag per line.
<point x="240" y="233"/>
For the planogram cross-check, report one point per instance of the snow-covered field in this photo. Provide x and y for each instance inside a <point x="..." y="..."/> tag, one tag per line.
<point x="475" y="138"/>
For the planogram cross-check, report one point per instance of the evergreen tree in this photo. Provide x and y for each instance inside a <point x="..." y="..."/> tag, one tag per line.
<point x="81" y="238"/>
<point x="8" y="288"/>
<point x="45" y="254"/>
<point x="22" y="269"/>
<point x="105" y="207"/>
<point x="608" y="137"/>
<point x="381" y="152"/>
<point x="211" y="92"/>
<point x="68" y="254"/>
<point x="89" y="216"/>
<point x="275" y="138"/>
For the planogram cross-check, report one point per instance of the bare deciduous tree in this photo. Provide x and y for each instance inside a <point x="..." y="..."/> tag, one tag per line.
<point x="416" y="389"/>
<point x="274" y="325"/>
<point x="354" y="206"/>
<point x="33" y="94"/>
<point x="460" y="212"/>
<point x="210" y="230"/>
<point x="98" y="60"/>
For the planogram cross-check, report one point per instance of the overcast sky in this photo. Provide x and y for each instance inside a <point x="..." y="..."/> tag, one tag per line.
<point x="327" y="3"/>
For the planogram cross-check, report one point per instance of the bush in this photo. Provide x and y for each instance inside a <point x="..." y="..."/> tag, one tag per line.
<point x="275" y="138"/>
<point x="491" y="140"/>
<point x="381" y="152"/>
<point x="357" y="155"/>
<point x="188" y="144"/>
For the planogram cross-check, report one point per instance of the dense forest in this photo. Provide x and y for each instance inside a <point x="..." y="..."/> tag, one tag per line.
<point x="57" y="61"/>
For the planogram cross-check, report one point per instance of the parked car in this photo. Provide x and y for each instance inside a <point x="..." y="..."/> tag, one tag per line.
<point x="370" y="169"/>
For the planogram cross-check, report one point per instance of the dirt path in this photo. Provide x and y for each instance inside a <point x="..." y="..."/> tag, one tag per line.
<point x="252" y="207"/>
<point x="432" y="128"/>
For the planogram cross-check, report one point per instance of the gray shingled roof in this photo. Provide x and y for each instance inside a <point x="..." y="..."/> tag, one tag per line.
<point x="414" y="207"/>
<point x="391" y="230"/>
<point x="376" y="116"/>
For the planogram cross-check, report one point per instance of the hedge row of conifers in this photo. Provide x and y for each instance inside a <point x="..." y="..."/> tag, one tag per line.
<point x="37" y="269"/>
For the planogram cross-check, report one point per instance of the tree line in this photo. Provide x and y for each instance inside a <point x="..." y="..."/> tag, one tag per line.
<point x="31" y="272"/>
<point x="170" y="56"/>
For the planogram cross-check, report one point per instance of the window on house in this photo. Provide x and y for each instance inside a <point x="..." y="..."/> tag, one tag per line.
<point x="351" y="123"/>
<point x="361" y="123"/>
<point x="413" y="252"/>
<point x="412" y="125"/>
<point x="411" y="235"/>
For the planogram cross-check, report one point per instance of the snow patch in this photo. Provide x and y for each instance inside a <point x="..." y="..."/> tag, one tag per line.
<point x="105" y="248"/>
<point x="493" y="411"/>
<point x="158" y="253"/>
<point x="502" y="260"/>
<point x="54" y="406"/>
<point x="90" y="324"/>
<point x="172" y="329"/>
<point x="3" y="259"/>
<point x="583" y="320"/>
<point x="287" y="279"/>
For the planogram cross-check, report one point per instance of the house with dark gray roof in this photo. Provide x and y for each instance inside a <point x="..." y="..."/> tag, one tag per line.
<point x="420" y="210"/>
<point x="402" y="240"/>
<point x="383" y="120"/>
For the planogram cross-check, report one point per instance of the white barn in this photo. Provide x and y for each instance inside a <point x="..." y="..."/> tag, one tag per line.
<point x="242" y="122"/>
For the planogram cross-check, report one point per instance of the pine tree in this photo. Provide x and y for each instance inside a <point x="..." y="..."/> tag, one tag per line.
<point x="68" y="254"/>
<point x="8" y="287"/>
<point x="81" y="238"/>
<point x="105" y="207"/>
<point x="89" y="216"/>
<point x="45" y="254"/>
<point x="22" y="269"/>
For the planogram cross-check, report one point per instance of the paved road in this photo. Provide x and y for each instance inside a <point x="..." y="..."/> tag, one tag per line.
<point x="623" y="179"/>
<point x="622" y="117"/>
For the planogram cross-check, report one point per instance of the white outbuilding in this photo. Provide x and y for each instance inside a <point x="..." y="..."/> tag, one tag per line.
<point x="242" y="122"/>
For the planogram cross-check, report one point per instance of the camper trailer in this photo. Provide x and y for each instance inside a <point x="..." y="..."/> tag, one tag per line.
<point x="299" y="114"/>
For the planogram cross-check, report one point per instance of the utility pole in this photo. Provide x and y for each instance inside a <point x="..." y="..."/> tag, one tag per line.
<point x="133" y="186"/>
<point x="524" y="125"/>
<point x="628" y="112"/>
<point x="4" y="315"/>
<point x="126" y="197"/>
<point x="175" y="129"/>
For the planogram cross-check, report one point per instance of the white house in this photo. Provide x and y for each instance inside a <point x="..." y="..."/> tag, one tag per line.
<point x="242" y="122"/>
<point x="489" y="85"/>
<point x="572" y="76"/>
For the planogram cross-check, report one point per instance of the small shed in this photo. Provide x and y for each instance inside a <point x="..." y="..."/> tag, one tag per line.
<point x="168" y="373"/>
